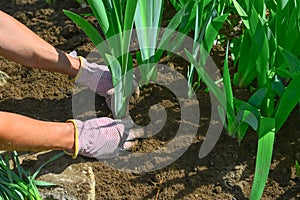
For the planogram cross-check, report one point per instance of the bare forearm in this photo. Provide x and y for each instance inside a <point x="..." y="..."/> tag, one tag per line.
<point x="22" y="133"/>
<point x="21" y="45"/>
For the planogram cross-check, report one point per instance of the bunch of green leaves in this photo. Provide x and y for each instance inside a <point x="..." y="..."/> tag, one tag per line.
<point x="235" y="114"/>
<point x="264" y="34"/>
<point x="20" y="185"/>
<point x="205" y="18"/>
<point x="268" y="55"/>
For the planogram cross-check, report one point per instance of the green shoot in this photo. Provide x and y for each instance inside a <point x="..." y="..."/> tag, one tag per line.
<point x="20" y="185"/>
<point x="297" y="169"/>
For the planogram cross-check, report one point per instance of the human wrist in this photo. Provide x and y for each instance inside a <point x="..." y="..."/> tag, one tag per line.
<point x="74" y="65"/>
<point x="73" y="146"/>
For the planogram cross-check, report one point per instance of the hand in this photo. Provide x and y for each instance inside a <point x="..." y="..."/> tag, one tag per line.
<point x="103" y="138"/>
<point x="97" y="78"/>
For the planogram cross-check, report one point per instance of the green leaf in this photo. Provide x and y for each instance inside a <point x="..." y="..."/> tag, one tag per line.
<point x="260" y="8"/>
<point x="43" y="183"/>
<point x="8" y="171"/>
<point x="242" y="13"/>
<point x="277" y="86"/>
<point x="242" y="131"/>
<point x="119" y="94"/>
<point x="283" y="73"/>
<point x="246" y="66"/>
<point x="129" y="14"/>
<point x="293" y="61"/>
<point x="292" y="32"/>
<point x="227" y="86"/>
<point x="266" y="137"/>
<point x="258" y="97"/>
<point x="287" y="102"/>
<point x="262" y="62"/>
<point x="242" y="105"/>
<point x="212" y="31"/>
<point x="128" y="24"/>
<point x="282" y="21"/>
<point x="177" y="4"/>
<point x="249" y="118"/>
<point x="221" y="113"/>
<point x="100" y="12"/>
<point x="297" y="168"/>
<point x="115" y="69"/>
<point x="235" y="48"/>
<point x="50" y="160"/>
<point x="147" y="20"/>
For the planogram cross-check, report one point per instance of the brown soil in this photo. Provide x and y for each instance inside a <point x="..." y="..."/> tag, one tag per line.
<point x="226" y="173"/>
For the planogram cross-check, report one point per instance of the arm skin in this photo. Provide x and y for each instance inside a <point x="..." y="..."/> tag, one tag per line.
<point x="21" y="45"/>
<point x="17" y="132"/>
<point x="21" y="133"/>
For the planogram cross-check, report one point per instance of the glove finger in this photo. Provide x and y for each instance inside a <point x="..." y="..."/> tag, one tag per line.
<point x="129" y="145"/>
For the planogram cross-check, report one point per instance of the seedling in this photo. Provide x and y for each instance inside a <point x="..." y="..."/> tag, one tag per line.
<point x="20" y="185"/>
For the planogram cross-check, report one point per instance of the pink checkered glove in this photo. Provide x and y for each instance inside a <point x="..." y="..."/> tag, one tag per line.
<point x="97" y="78"/>
<point x="103" y="138"/>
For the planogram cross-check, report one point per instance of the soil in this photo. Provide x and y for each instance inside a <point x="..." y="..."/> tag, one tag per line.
<point x="225" y="173"/>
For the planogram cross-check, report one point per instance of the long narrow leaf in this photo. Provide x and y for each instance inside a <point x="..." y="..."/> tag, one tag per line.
<point x="292" y="60"/>
<point x="50" y="160"/>
<point x="266" y="137"/>
<point x="227" y="85"/>
<point x="212" y="31"/>
<point x="258" y="97"/>
<point x="127" y="32"/>
<point x="99" y="10"/>
<point x="242" y="13"/>
<point x="148" y="19"/>
<point x="288" y="102"/>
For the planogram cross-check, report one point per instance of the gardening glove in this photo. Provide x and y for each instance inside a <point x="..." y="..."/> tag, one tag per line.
<point x="104" y="138"/>
<point x="97" y="78"/>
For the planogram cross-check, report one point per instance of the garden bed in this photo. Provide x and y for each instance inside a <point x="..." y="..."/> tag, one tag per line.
<point x="225" y="173"/>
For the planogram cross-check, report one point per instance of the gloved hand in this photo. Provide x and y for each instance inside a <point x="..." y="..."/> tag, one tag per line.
<point x="103" y="138"/>
<point x="97" y="78"/>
